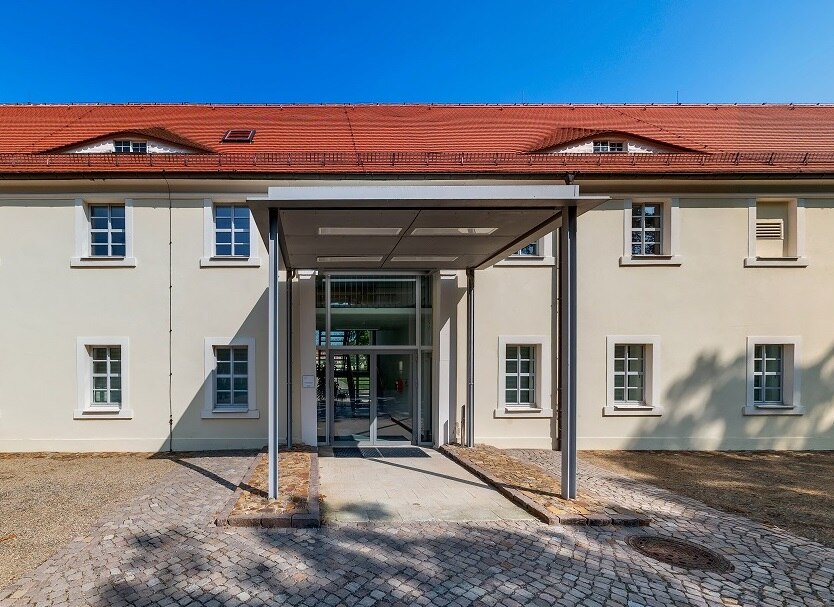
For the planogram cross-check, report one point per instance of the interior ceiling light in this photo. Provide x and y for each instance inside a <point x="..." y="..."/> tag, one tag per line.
<point x="338" y="231"/>
<point x="350" y="259"/>
<point x="452" y="231"/>
<point x="432" y="258"/>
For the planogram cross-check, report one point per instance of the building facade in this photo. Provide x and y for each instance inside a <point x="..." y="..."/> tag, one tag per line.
<point x="137" y="296"/>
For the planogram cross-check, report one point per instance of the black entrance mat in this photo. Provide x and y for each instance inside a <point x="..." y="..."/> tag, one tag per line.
<point x="379" y="452"/>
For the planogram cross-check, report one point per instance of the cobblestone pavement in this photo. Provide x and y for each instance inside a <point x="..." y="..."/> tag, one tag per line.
<point x="162" y="550"/>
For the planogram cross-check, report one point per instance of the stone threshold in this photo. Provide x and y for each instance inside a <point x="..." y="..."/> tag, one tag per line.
<point x="583" y="511"/>
<point x="286" y="520"/>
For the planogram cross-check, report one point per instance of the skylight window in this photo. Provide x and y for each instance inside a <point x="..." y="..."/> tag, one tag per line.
<point x="239" y="136"/>
<point x="125" y="146"/>
<point x="607" y="147"/>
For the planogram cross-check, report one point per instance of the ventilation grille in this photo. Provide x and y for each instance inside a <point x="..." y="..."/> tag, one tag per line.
<point x="770" y="229"/>
<point x="239" y="136"/>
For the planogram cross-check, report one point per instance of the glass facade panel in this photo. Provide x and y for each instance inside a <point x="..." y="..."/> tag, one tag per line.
<point x="376" y="310"/>
<point x="426" y="417"/>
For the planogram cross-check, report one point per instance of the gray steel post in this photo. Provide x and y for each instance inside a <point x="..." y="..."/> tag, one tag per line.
<point x="272" y="404"/>
<point x="470" y="357"/>
<point x="567" y="350"/>
<point x="288" y="331"/>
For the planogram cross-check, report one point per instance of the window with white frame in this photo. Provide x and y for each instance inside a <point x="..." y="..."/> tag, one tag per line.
<point x="231" y="230"/>
<point x="230" y="388"/>
<point x="776" y="233"/>
<point x="231" y="377"/>
<point x="629" y="374"/>
<point x="106" y="375"/>
<point x="520" y="375"/>
<point x="531" y="249"/>
<point x="107" y="230"/>
<point x="651" y="232"/>
<point x="646" y="229"/>
<point x="124" y="146"/>
<point x="524" y="376"/>
<point x="772" y="376"/>
<point x="103" y="233"/>
<point x="605" y="147"/>
<point x="633" y="375"/>
<point x="102" y="364"/>
<point x="230" y="238"/>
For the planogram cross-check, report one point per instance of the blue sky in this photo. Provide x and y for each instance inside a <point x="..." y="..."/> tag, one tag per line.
<point x="407" y="51"/>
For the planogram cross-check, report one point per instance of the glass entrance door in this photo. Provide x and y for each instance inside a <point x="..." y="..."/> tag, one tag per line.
<point x="394" y="398"/>
<point x="352" y="397"/>
<point x="371" y="398"/>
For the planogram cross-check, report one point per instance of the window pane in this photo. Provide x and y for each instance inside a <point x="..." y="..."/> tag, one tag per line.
<point x="224" y="397"/>
<point x="512" y="366"/>
<point x="241" y="368"/>
<point x="99" y="353"/>
<point x="524" y="396"/>
<point x="773" y="381"/>
<point x="115" y="396"/>
<point x="773" y="351"/>
<point x="99" y="383"/>
<point x="224" y="249"/>
<point x="619" y="394"/>
<point x="118" y="250"/>
<point x="118" y="237"/>
<point x="241" y="398"/>
<point x="524" y="352"/>
<point x="99" y="367"/>
<point x="510" y="397"/>
<point x="223" y="211"/>
<point x="223" y="238"/>
<point x="619" y="381"/>
<point x="241" y="383"/>
<point x="240" y="354"/>
<point x="117" y="211"/>
<point x="224" y="368"/>
<point x="525" y="366"/>
<point x="224" y="383"/>
<point x="100" y="396"/>
<point x="619" y="351"/>
<point x="242" y="249"/>
<point x="524" y="382"/>
<point x="223" y="353"/>
<point x="99" y="211"/>
<point x="512" y="381"/>
<point x="635" y="395"/>
<point x="241" y="216"/>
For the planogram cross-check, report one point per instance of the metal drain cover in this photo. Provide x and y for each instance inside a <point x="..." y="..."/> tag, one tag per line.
<point x="680" y="553"/>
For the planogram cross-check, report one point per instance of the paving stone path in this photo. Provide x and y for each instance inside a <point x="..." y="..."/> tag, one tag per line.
<point x="162" y="550"/>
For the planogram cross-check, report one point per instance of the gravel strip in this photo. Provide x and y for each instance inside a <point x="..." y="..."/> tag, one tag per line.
<point x="47" y="500"/>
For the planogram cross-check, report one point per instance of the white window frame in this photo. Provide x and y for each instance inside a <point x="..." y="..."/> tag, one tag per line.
<point x="608" y="143"/>
<point x="82" y="257"/>
<point x="210" y="411"/>
<point x="651" y="405"/>
<point x="209" y="258"/>
<point x="133" y="143"/>
<point x="85" y="409"/>
<point x="670" y="238"/>
<point x="545" y="255"/>
<point x="542" y="407"/>
<point x="791" y="376"/>
<point x="794" y="233"/>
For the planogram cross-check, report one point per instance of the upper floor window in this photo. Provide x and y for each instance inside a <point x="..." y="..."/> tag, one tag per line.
<point x="605" y="146"/>
<point x="124" y="146"/>
<point x="646" y="229"/>
<point x="531" y="249"/>
<point x="231" y="231"/>
<point x="107" y="230"/>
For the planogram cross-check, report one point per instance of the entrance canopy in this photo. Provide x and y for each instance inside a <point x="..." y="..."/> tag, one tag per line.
<point x="426" y="226"/>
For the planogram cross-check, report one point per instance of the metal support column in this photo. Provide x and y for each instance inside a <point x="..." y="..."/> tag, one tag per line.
<point x="567" y="350"/>
<point x="288" y="331"/>
<point x="470" y="357"/>
<point x="272" y="404"/>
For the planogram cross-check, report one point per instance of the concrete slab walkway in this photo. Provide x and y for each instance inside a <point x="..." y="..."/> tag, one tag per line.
<point x="432" y="488"/>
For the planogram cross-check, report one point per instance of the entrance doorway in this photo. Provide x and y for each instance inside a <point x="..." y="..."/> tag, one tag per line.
<point x="371" y="398"/>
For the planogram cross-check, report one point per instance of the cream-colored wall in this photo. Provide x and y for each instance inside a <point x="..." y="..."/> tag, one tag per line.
<point x="46" y="305"/>
<point x="703" y="312"/>
<point x="509" y="300"/>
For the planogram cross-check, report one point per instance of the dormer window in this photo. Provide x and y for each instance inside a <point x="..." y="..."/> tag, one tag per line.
<point x="126" y="146"/>
<point x="608" y="147"/>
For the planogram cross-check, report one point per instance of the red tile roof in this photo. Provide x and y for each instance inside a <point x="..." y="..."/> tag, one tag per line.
<point x="728" y="139"/>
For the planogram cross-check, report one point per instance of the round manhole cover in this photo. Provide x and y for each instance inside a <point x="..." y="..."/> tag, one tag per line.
<point x="679" y="553"/>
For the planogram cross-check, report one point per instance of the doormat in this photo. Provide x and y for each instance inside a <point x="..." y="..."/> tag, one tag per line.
<point x="383" y="452"/>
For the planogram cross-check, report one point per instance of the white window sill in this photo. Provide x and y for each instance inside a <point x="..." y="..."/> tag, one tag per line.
<point x="522" y="411"/>
<point x="230" y="262"/>
<point x="103" y="413"/>
<point x="651" y="260"/>
<point x="775" y="262"/>
<point x="632" y="410"/>
<point x="773" y="410"/>
<point x="231" y="413"/>
<point x="103" y="262"/>
<point x="527" y="260"/>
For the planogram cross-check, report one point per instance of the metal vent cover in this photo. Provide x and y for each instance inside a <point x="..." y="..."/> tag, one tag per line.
<point x="679" y="553"/>
<point x="770" y="229"/>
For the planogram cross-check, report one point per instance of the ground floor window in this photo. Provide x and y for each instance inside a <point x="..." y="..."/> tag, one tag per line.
<point x="102" y="364"/>
<point x="229" y="387"/>
<point x="520" y="377"/>
<point x="773" y="378"/>
<point x="524" y="376"/>
<point x="633" y="363"/>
